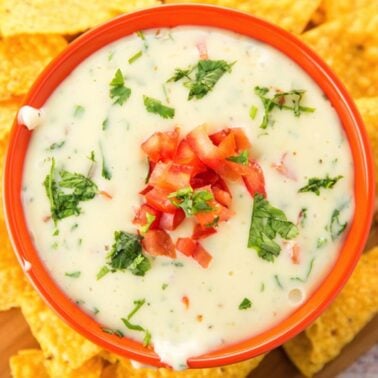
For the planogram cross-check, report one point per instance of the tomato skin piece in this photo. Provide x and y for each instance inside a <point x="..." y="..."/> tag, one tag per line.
<point x="141" y="216"/>
<point x="171" y="176"/>
<point x="228" y="146"/>
<point x="222" y="196"/>
<point x="202" y="232"/>
<point x="202" y="256"/>
<point x="186" y="156"/>
<point x="241" y="140"/>
<point x="159" y="243"/>
<point x="254" y="181"/>
<point x="145" y="190"/>
<point x="187" y="246"/>
<point x="170" y="221"/>
<point x="161" y="146"/>
<point x="219" y="136"/>
<point x="295" y="254"/>
<point x="158" y="199"/>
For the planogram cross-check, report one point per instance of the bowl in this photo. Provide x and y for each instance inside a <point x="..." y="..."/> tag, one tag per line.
<point x="170" y="16"/>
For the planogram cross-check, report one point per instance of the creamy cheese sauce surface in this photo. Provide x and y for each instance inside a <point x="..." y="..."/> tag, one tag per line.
<point x="313" y="145"/>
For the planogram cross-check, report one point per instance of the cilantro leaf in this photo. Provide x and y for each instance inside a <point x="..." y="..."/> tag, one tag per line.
<point x="63" y="204"/>
<point x="282" y="100"/>
<point x="207" y="74"/>
<point x="242" y="158"/>
<point x="155" y="106"/>
<point x="245" y="304"/>
<point x="73" y="274"/>
<point x="336" y="228"/>
<point x="118" y="92"/>
<point x="126" y="253"/>
<point x="315" y="184"/>
<point x="267" y="222"/>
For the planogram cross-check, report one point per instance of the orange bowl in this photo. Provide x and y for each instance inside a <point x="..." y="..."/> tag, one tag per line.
<point x="170" y="16"/>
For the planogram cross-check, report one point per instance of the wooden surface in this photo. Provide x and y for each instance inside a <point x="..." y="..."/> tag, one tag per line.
<point x="15" y="335"/>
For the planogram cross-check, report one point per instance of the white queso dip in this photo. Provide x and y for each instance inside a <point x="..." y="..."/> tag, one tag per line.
<point x="188" y="188"/>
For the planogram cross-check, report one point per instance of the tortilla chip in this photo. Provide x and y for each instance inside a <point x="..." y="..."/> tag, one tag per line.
<point x="22" y="58"/>
<point x="28" y="363"/>
<point x="349" y="46"/>
<point x="61" y="17"/>
<point x="336" y="8"/>
<point x="124" y="369"/>
<point x="65" y="349"/>
<point x="8" y="110"/>
<point x="368" y="108"/>
<point x="355" y="306"/>
<point x="290" y="15"/>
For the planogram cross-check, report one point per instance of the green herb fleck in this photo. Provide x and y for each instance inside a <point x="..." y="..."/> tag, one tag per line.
<point x="164" y="286"/>
<point x="102" y="272"/>
<point x="111" y="331"/>
<point x="105" y="124"/>
<point x="147" y="338"/>
<point x="150" y="218"/>
<point x="141" y="35"/>
<point x="321" y="242"/>
<point x="155" y="106"/>
<point x="56" y="145"/>
<point x="78" y="111"/>
<point x="253" y="112"/>
<point x="135" y="57"/>
<point x="262" y="287"/>
<point x="268" y="221"/>
<point x="315" y="184"/>
<point x="278" y="282"/>
<point x="282" y="100"/>
<point x="74" y="227"/>
<point x="245" y="304"/>
<point x="311" y="265"/>
<point x="73" y="274"/>
<point x="118" y="92"/>
<point x="302" y="216"/>
<point x="207" y="74"/>
<point x="95" y="310"/>
<point x="92" y="157"/>
<point x="336" y="228"/>
<point x="105" y="171"/>
<point x="242" y="158"/>
<point x="63" y="204"/>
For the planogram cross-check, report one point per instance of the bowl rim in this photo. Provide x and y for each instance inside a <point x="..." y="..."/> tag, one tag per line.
<point x="238" y="22"/>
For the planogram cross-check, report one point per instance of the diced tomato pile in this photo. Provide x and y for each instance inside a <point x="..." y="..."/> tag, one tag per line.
<point x="187" y="179"/>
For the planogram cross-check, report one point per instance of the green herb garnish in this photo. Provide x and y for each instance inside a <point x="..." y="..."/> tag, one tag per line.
<point x="73" y="274"/>
<point x="282" y="100"/>
<point x="242" y="158"/>
<point x="245" y="304"/>
<point x="63" y="204"/>
<point x="150" y="218"/>
<point x="278" y="282"/>
<point x="155" y="106"/>
<point x="118" y="92"/>
<point x="321" y="242"/>
<point x="307" y="274"/>
<point x="105" y="171"/>
<point x="253" y="112"/>
<point x="135" y="57"/>
<point x="268" y="222"/>
<point x="78" y="111"/>
<point x="111" y="331"/>
<point x="56" y="145"/>
<point x="207" y="74"/>
<point x="315" y="184"/>
<point x="336" y="228"/>
<point x="126" y="253"/>
<point x="105" y="123"/>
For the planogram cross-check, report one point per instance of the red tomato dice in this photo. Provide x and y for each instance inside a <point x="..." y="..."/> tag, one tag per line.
<point x="187" y="246"/>
<point x="241" y="140"/>
<point x="222" y="196"/>
<point x="202" y="256"/>
<point x="170" y="221"/>
<point x="202" y="232"/>
<point x="158" y="199"/>
<point x="159" y="243"/>
<point x="141" y="216"/>
<point x="255" y="181"/>
<point x="186" y="156"/>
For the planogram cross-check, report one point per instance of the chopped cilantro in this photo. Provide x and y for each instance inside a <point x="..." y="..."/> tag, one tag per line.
<point x="111" y="331"/>
<point x="315" y="184"/>
<point x="95" y="310"/>
<point x="105" y="171"/>
<point x="192" y="202"/>
<point x="126" y="253"/>
<point x="141" y="35"/>
<point x="147" y="338"/>
<point x="302" y="216"/>
<point x="105" y="123"/>
<point x="253" y="112"/>
<point x="155" y="106"/>
<point x="164" y="286"/>
<point x="282" y="100"/>
<point x="63" y="204"/>
<point x="150" y="219"/>
<point x="118" y="92"/>
<point x="73" y="274"/>
<point x="135" y="57"/>
<point x="262" y="287"/>
<point x="78" y="111"/>
<point x="92" y="157"/>
<point x="56" y="145"/>
<point x="278" y="282"/>
<point x="336" y="228"/>
<point x="242" y="158"/>
<point x="245" y="304"/>
<point x="207" y="74"/>
<point x="311" y="265"/>
<point x="268" y="221"/>
<point x="321" y="242"/>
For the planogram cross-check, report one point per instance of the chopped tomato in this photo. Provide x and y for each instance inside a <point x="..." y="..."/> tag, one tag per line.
<point x="228" y="146"/>
<point x="105" y="194"/>
<point x="241" y="140"/>
<point x="159" y="243"/>
<point x="255" y="181"/>
<point x="219" y="136"/>
<point x="161" y="145"/>
<point x="209" y="177"/>
<point x="185" y="301"/>
<point x="202" y="232"/>
<point x="141" y="216"/>
<point x="187" y="246"/>
<point x="170" y="221"/>
<point x="239" y="169"/>
<point x="219" y="213"/>
<point x="158" y="199"/>
<point x="170" y="176"/>
<point x="145" y="190"/>
<point x="202" y="256"/>
<point x="295" y="254"/>
<point x="208" y="153"/>
<point x="186" y="156"/>
<point x="222" y="196"/>
<point x="283" y="168"/>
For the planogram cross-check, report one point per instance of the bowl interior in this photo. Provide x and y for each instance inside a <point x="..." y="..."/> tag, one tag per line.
<point x="170" y="16"/>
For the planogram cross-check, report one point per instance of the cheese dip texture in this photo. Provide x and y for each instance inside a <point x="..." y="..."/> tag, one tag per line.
<point x="94" y="124"/>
